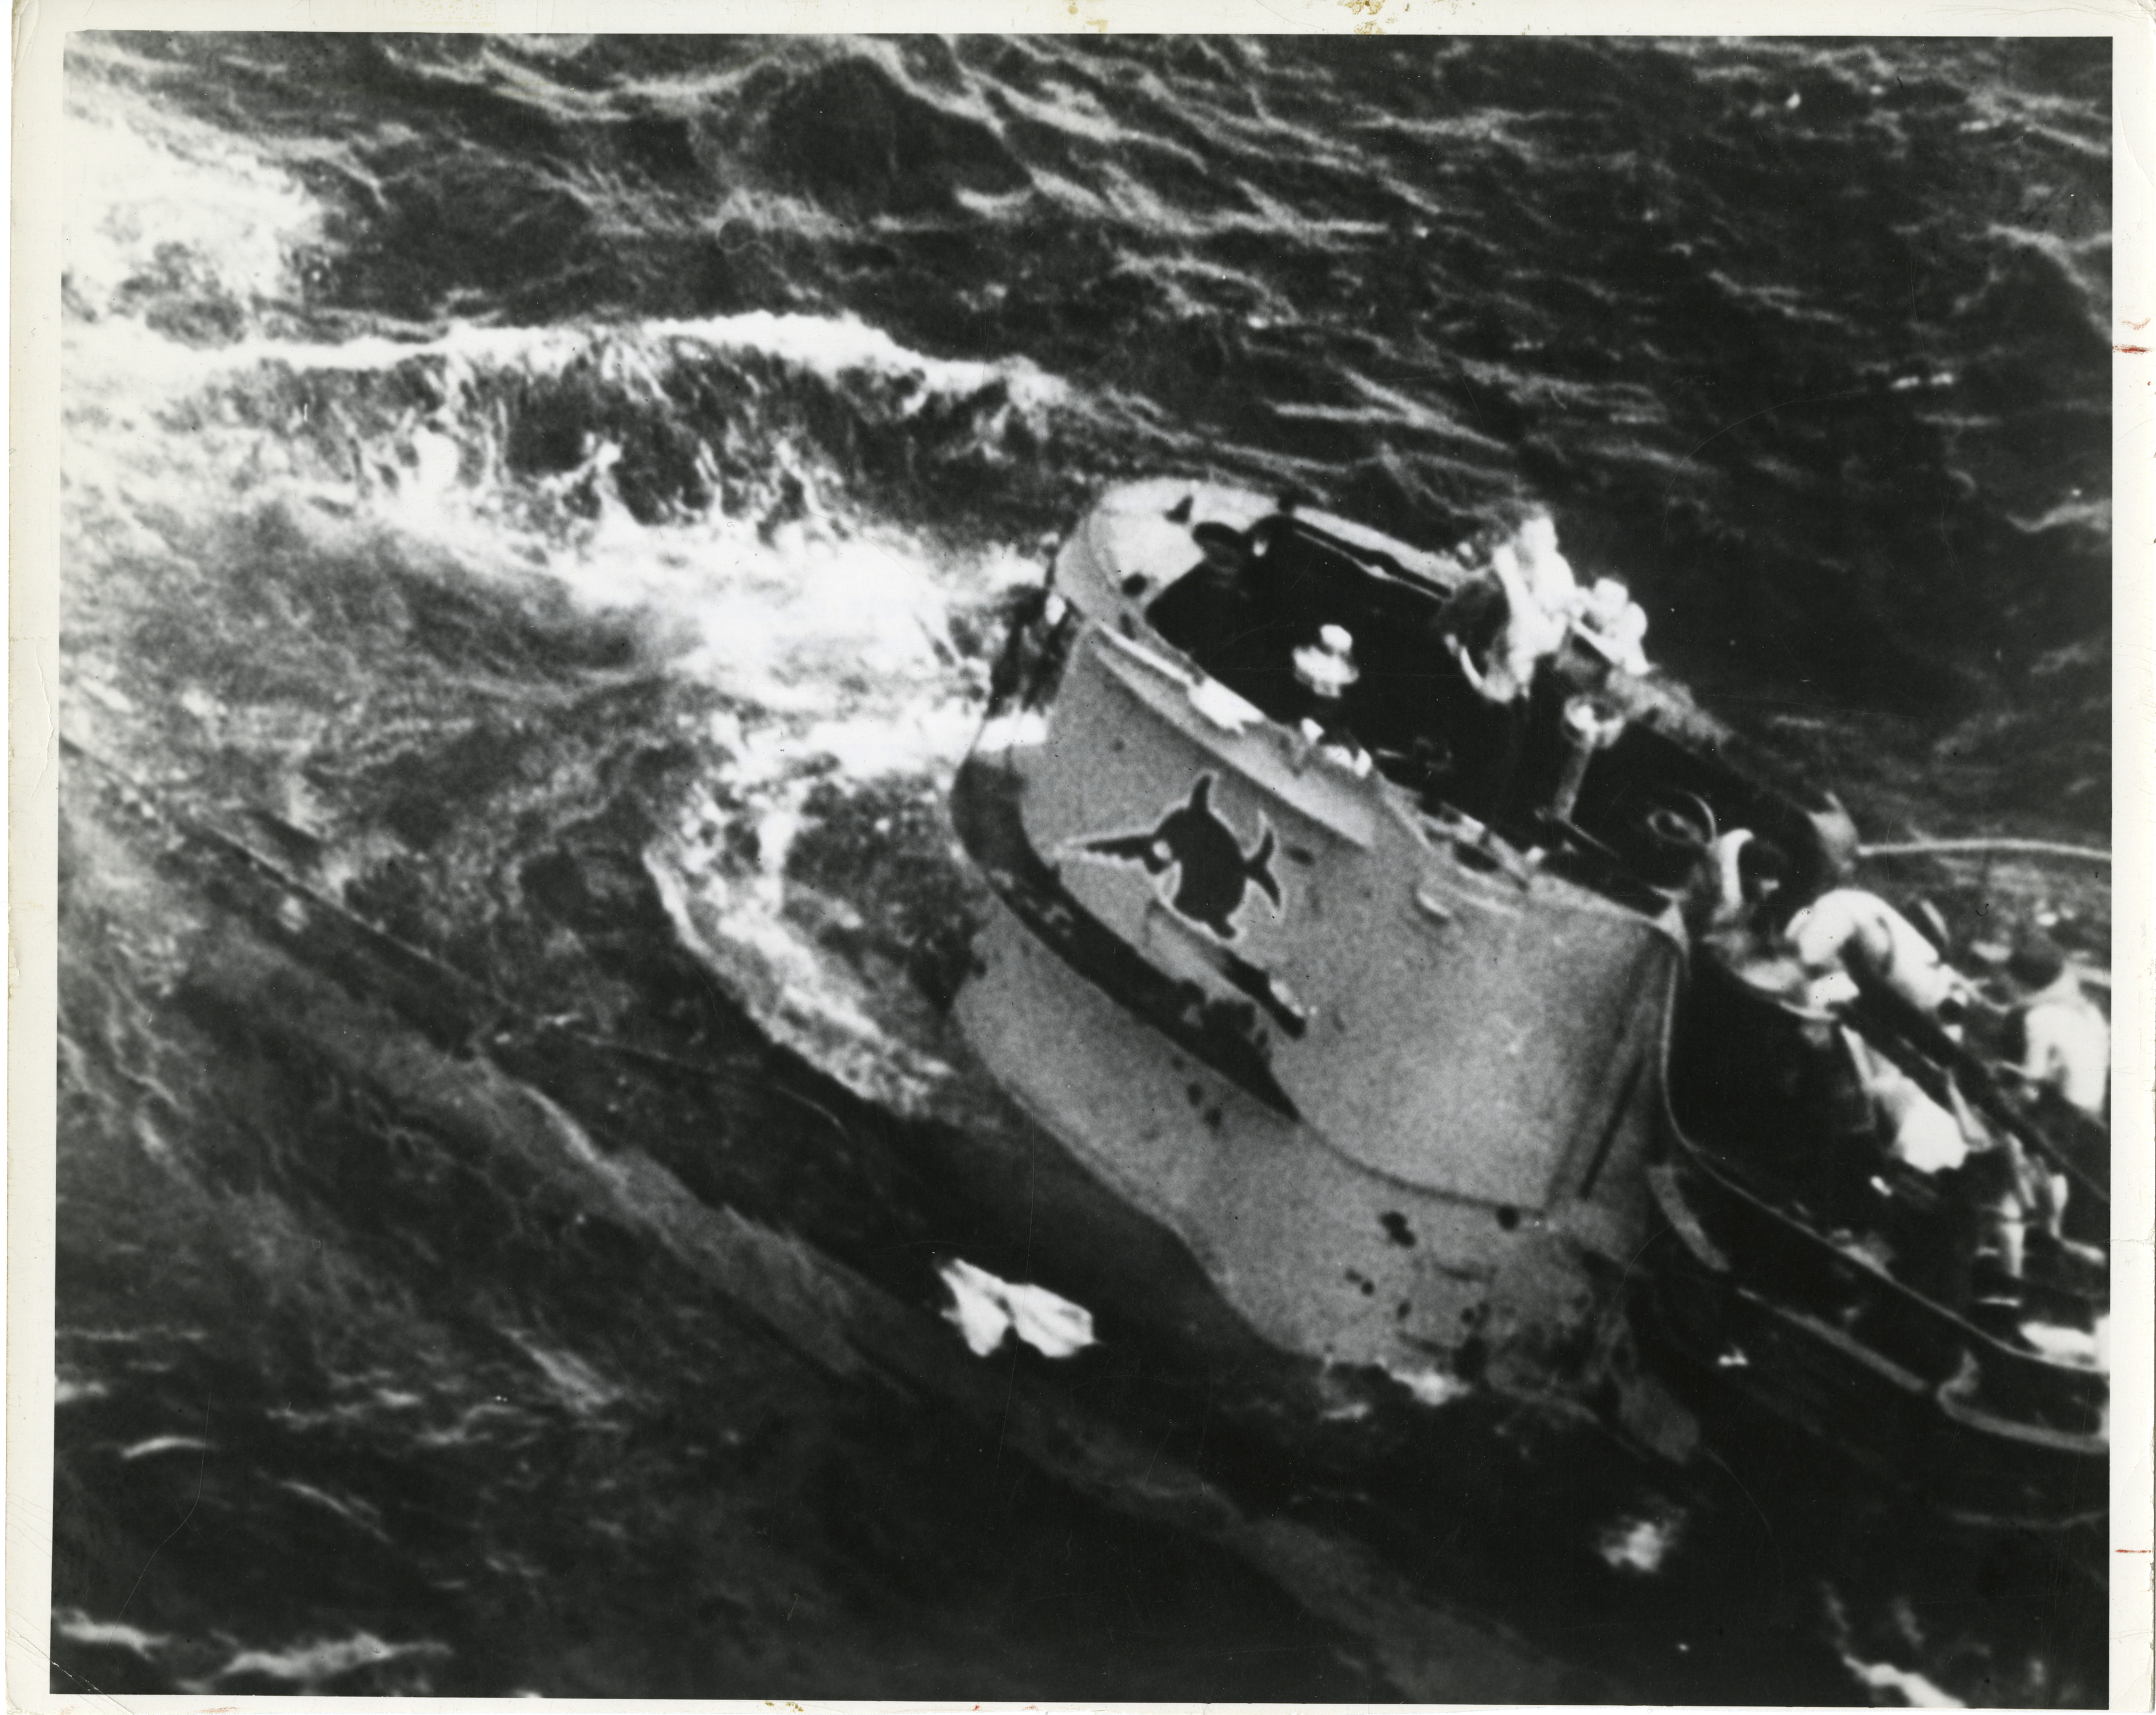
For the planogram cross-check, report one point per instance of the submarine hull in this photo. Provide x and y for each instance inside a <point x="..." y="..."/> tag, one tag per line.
<point x="1320" y="1256"/>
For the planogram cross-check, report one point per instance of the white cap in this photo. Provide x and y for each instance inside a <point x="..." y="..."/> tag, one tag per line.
<point x="1327" y="667"/>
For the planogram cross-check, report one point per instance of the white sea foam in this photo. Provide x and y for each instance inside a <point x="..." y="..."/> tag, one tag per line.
<point x="629" y="356"/>
<point x="575" y="1382"/>
<point x="826" y="631"/>
<point x="799" y="996"/>
<point x="161" y="192"/>
<point x="76" y="1626"/>
<point x="830" y="635"/>
<point x="165" y="1444"/>
<point x="1918" y="1692"/>
<point x="359" y="1514"/>
<point x="319" y="1661"/>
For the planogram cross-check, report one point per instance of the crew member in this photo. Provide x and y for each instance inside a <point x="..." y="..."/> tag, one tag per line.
<point x="1614" y="623"/>
<point x="1736" y="901"/>
<point x="2066" y="1040"/>
<point x="1470" y="628"/>
<point x="1499" y="628"/>
<point x="1851" y="931"/>
<point x="1584" y="728"/>
<point x="1325" y="671"/>
<point x="1965" y="1241"/>
<point x="1204" y="611"/>
<point x="1918" y="1131"/>
<point x="2064" y="1057"/>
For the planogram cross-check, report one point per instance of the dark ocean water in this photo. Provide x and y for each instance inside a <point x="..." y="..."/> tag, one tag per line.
<point x="552" y="501"/>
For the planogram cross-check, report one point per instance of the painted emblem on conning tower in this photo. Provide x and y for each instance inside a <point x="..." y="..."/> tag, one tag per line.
<point x="1208" y="872"/>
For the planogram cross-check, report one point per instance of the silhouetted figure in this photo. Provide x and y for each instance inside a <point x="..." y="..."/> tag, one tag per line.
<point x="1223" y="615"/>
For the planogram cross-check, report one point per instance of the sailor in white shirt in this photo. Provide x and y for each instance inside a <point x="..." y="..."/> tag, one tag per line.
<point x="2066" y="1038"/>
<point x="1853" y="931"/>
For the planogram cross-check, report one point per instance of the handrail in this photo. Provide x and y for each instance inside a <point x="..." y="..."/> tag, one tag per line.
<point x="2027" y="848"/>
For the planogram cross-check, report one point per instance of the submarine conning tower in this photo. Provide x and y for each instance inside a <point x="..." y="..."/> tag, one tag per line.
<point x="1388" y="1065"/>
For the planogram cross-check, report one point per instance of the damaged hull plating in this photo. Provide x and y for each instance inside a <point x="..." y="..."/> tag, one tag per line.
<point x="1304" y="1018"/>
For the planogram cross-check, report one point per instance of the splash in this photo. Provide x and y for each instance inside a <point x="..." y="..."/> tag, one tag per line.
<point x="173" y="221"/>
<point x="693" y="483"/>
